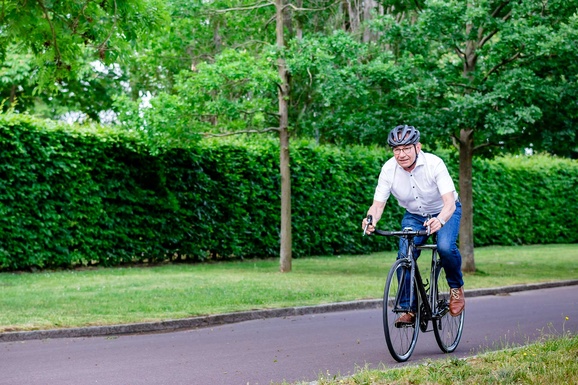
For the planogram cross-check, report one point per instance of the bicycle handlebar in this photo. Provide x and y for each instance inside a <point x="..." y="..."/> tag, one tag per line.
<point x="403" y="233"/>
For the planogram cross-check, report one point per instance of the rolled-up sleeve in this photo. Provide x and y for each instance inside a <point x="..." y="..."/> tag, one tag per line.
<point x="385" y="181"/>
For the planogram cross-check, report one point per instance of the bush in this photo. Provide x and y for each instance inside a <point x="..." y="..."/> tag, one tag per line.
<point x="74" y="196"/>
<point x="525" y="200"/>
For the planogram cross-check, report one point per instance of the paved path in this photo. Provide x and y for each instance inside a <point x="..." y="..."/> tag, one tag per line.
<point x="259" y="352"/>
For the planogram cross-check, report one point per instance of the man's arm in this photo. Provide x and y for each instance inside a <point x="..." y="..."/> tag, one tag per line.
<point x="376" y="210"/>
<point x="444" y="215"/>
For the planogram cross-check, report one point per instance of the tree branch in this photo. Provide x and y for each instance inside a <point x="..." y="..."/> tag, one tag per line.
<point x="487" y="144"/>
<point x="419" y="8"/>
<point x="253" y="112"/>
<point x="495" y="14"/>
<point x="459" y="51"/>
<point x="269" y="129"/>
<point x="494" y="144"/>
<point x="58" y="56"/>
<point x="100" y="48"/>
<point x="455" y="141"/>
<point x="465" y="86"/>
<point x="257" y="6"/>
<point x="310" y="9"/>
<point x="499" y="8"/>
<point x="508" y="15"/>
<point x="488" y="37"/>
<point x="503" y="63"/>
<point x="75" y="22"/>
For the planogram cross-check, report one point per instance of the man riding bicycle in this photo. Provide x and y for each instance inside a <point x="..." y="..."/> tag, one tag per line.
<point x="423" y="186"/>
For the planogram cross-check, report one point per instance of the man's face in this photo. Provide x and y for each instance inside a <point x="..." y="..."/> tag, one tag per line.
<point x="405" y="155"/>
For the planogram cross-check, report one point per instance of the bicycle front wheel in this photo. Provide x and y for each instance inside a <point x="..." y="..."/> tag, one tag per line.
<point x="447" y="329"/>
<point x="400" y="338"/>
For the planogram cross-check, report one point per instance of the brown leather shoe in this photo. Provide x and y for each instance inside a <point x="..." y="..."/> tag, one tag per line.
<point x="457" y="301"/>
<point x="406" y="319"/>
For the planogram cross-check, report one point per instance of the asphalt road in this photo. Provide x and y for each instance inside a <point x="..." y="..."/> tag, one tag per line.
<point x="265" y="351"/>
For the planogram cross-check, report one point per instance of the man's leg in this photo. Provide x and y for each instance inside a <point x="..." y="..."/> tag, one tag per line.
<point x="452" y="260"/>
<point x="416" y="223"/>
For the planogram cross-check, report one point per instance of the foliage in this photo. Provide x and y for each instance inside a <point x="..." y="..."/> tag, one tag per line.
<point x="346" y="85"/>
<point x="237" y="92"/>
<point x="53" y="201"/>
<point x="57" y="45"/>
<point x="525" y="197"/>
<point x="444" y="67"/>
<point x="485" y="66"/>
<point x="81" y="196"/>
<point x="331" y="98"/>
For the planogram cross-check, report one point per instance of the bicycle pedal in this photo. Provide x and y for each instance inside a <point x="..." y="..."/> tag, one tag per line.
<point x="423" y="325"/>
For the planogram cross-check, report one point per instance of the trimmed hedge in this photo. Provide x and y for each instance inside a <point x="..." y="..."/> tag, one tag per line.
<point x="92" y="196"/>
<point x="525" y="200"/>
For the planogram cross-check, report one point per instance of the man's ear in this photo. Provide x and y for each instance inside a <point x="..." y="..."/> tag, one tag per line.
<point x="418" y="147"/>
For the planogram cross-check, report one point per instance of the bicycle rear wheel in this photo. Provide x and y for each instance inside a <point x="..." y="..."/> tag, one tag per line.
<point x="447" y="329"/>
<point x="401" y="340"/>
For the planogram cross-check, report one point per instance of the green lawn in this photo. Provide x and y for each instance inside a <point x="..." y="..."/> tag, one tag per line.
<point x="551" y="361"/>
<point x="55" y="299"/>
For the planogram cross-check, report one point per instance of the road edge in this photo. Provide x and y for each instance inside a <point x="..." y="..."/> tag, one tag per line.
<point x="230" y="318"/>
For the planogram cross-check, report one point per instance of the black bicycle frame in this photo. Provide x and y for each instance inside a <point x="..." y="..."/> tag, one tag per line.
<point x="427" y="300"/>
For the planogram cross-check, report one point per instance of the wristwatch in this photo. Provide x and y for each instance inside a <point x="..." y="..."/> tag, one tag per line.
<point x="441" y="221"/>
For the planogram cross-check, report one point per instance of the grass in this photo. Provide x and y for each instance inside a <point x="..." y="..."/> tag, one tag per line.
<point x="104" y="296"/>
<point x="550" y="361"/>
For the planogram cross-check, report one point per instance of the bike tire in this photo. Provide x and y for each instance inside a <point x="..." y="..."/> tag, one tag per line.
<point x="447" y="329"/>
<point x="401" y="341"/>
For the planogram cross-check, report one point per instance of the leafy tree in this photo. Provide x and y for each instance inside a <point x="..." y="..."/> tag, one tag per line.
<point x="230" y="83"/>
<point x="16" y="74"/>
<point x="55" y="43"/>
<point x="233" y="95"/>
<point x="344" y="91"/>
<point x="486" y="76"/>
<point x="236" y="93"/>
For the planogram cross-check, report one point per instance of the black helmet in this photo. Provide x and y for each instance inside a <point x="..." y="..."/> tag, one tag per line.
<point x="403" y="135"/>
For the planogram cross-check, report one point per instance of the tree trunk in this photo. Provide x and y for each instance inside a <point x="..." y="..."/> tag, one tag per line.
<point x="466" y="156"/>
<point x="12" y="98"/>
<point x="351" y="11"/>
<point x="298" y="24"/>
<point x="466" y="197"/>
<point x="368" y="6"/>
<point x="217" y="40"/>
<point x="283" y="94"/>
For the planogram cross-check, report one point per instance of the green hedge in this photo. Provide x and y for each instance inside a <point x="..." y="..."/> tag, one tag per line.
<point x="525" y="200"/>
<point x="84" y="196"/>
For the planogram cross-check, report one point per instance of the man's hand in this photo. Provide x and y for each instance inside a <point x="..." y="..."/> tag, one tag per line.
<point x="367" y="225"/>
<point x="434" y="224"/>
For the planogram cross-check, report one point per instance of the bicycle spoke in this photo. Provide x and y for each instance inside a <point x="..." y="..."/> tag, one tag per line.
<point x="447" y="329"/>
<point x="401" y="338"/>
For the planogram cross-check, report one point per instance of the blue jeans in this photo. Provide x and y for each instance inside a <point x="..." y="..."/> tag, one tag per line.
<point x="448" y="250"/>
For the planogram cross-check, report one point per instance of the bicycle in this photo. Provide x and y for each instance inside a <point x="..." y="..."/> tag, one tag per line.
<point x="431" y="300"/>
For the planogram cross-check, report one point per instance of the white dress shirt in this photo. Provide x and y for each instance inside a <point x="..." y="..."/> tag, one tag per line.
<point x="420" y="190"/>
